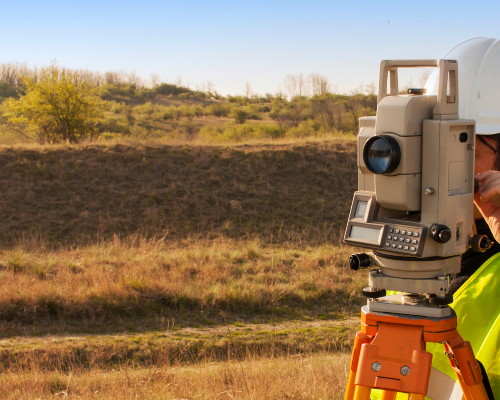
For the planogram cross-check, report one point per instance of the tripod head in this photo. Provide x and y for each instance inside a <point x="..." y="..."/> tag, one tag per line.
<point x="414" y="203"/>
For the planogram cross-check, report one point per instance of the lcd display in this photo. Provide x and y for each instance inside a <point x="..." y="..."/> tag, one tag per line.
<point x="362" y="232"/>
<point x="360" y="209"/>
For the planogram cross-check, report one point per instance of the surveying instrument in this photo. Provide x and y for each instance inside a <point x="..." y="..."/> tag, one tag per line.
<point x="414" y="209"/>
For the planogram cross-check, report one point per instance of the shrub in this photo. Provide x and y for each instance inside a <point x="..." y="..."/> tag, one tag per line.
<point x="239" y="115"/>
<point x="238" y="132"/>
<point x="59" y="106"/>
<point x="218" y="110"/>
<point x="118" y="108"/>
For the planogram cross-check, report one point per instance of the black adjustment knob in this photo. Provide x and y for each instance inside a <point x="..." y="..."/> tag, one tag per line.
<point x="359" y="261"/>
<point x="441" y="300"/>
<point x="373" y="293"/>
<point x="440" y="233"/>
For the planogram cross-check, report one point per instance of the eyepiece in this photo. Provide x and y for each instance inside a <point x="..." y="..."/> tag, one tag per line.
<point x="381" y="154"/>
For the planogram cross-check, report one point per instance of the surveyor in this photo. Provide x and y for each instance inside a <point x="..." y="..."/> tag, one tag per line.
<point x="476" y="288"/>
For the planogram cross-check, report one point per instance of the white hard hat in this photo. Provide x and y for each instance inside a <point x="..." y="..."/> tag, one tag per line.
<point x="478" y="82"/>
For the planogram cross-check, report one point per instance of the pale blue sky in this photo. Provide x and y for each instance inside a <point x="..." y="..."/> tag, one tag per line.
<point x="232" y="42"/>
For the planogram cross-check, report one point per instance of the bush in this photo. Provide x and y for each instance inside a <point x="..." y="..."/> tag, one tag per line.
<point x="118" y="108"/>
<point x="218" y="110"/>
<point x="239" y="115"/>
<point x="59" y="106"/>
<point x="147" y="109"/>
<point x="7" y="91"/>
<point x="238" y="132"/>
<point x="169" y="89"/>
<point x="252" y="112"/>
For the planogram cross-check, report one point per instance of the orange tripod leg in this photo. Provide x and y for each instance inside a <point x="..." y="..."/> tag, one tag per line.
<point x="466" y="367"/>
<point x="361" y="338"/>
<point x="362" y="392"/>
<point x="389" y="395"/>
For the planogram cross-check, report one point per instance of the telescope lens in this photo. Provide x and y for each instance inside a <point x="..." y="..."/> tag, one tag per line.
<point x="381" y="154"/>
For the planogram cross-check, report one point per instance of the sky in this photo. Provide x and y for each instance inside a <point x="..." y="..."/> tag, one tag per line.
<point x="233" y="42"/>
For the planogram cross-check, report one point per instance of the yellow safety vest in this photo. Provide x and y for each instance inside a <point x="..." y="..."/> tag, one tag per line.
<point x="477" y="305"/>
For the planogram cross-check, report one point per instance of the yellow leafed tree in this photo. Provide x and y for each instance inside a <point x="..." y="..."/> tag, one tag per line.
<point x="58" y="105"/>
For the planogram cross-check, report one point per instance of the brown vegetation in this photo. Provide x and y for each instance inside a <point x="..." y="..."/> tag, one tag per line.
<point x="146" y="258"/>
<point x="318" y="376"/>
<point x="77" y="195"/>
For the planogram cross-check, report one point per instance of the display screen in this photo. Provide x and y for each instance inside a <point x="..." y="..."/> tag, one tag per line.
<point x="360" y="209"/>
<point x="362" y="232"/>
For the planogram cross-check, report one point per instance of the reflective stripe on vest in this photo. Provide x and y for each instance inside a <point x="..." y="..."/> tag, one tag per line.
<point x="442" y="387"/>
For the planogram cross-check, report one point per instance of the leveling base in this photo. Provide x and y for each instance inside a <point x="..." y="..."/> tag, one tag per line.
<point x="389" y="354"/>
<point x="395" y="304"/>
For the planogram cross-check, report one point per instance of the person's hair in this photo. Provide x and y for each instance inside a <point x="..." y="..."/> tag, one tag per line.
<point x="496" y="149"/>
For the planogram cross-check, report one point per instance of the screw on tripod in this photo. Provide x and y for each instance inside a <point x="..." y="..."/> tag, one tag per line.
<point x="376" y="366"/>
<point x="405" y="370"/>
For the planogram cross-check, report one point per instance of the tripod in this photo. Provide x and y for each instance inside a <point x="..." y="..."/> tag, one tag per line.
<point x="389" y="354"/>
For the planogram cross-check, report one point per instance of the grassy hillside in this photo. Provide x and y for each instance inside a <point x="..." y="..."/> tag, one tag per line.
<point x="160" y="260"/>
<point x="297" y="193"/>
<point x="99" y="232"/>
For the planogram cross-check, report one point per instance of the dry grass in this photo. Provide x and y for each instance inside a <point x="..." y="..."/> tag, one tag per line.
<point x="132" y="270"/>
<point x="319" y="376"/>
<point x="195" y="282"/>
<point x="294" y="193"/>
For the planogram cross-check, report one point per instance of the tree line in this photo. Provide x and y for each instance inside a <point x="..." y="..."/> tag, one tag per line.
<point x="54" y="104"/>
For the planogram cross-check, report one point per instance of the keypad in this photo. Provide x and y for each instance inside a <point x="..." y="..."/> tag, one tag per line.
<point x="402" y="239"/>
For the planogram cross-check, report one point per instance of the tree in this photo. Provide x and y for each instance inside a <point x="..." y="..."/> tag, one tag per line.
<point x="248" y="90"/>
<point x="210" y="88"/>
<point x="239" y="115"/>
<point x="58" y="106"/>
<point x="319" y="84"/>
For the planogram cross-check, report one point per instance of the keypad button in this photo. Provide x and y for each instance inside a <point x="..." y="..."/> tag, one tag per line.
<point x="412" y="248"/>
<point x="401" y="239"/>
<point x="393" y="245"/>
<point x="395" y="238"/>
<point x="407" y="240"/>
<point x="414" y="241"/>
<point x="400" y="246"/>
<point x="416" y="234"/>
<point x="405" y="248"/>
<point x="403" y="232"/>
<point x="389" y="237"/>
<point x="409" y="233"/>
<point x="391" y="230"/>
<point x="396" y="231"/>
<point x="387" y="245"/>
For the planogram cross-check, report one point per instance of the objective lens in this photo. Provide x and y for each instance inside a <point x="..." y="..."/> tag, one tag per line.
<point x="381" y="154"/>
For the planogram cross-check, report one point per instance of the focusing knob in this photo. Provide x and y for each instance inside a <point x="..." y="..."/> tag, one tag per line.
<point x="480" y="243"/>
<point x="440" y="233"/>
<point x="359" y="261"/>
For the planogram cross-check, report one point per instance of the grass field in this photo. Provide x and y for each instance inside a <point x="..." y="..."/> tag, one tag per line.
<point x="124" y="268"/>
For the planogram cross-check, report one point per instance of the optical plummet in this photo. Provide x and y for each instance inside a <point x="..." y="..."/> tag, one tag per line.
<point x="359" y="261"/>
